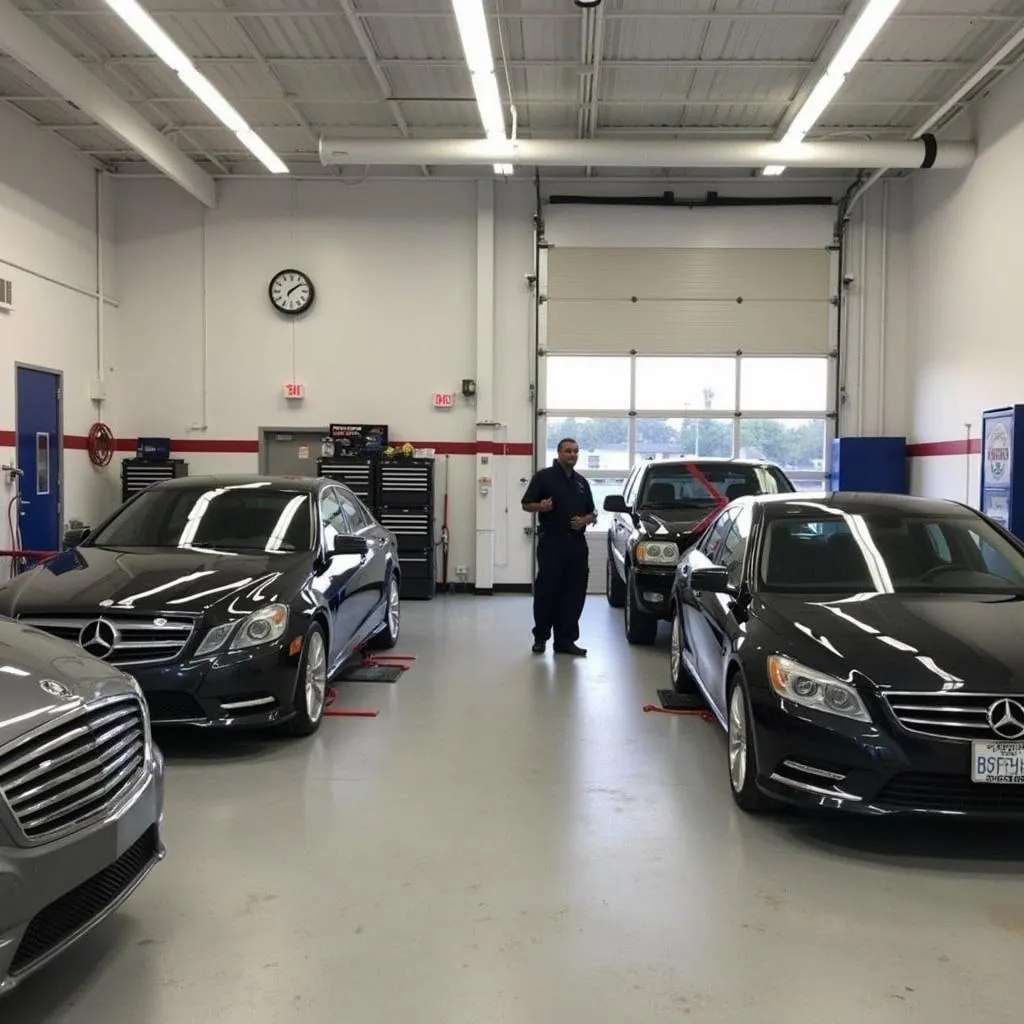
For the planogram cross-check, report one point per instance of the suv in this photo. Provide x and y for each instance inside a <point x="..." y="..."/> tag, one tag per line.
<point x="663" y="509"/>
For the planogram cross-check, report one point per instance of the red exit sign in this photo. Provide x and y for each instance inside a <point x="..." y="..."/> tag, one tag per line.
<point x="294" y="391"/>
<point x="443" y="400"/>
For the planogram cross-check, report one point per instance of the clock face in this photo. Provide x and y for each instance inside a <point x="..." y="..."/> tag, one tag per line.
<point x="291" y="291"/>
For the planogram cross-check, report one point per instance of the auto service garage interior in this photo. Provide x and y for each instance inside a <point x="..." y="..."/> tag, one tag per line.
<point x="408" y="247"/>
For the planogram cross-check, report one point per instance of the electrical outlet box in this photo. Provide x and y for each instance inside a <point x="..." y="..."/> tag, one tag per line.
<point x="97" y="390"/>
<point x="461" y="570"/>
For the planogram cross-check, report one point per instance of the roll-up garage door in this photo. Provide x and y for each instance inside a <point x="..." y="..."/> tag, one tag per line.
<point x="676" y="301"/>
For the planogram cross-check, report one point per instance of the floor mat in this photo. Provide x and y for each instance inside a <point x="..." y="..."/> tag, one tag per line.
<point x="672" y="701"/>
<point x="373" y="674"/>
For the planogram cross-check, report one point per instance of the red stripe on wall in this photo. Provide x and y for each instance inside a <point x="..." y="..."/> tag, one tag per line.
<point x="228" y="446"/>
<point x="925" y="449"/>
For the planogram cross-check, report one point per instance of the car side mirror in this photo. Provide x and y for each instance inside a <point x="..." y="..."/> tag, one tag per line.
<point x="615" y="503"/>
<point x="72" y="538"/>
<point x="714" y="580"/>
<point x="347" y="545"/>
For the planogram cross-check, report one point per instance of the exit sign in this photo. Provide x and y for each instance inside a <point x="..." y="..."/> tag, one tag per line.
<point x="295" y="391"/>
<point x="443" y="400"/>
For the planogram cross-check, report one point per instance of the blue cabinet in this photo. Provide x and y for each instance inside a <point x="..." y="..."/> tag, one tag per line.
<point x="874" y="464"/>
<point x="1002" y="476"/>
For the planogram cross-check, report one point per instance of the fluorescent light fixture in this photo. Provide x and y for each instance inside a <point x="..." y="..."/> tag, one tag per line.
<point x="138" y="19"/>
<point x="476" y="45"/>
<point x="864" y="32"/>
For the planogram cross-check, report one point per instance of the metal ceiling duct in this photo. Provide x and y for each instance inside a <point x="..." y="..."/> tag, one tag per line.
<point x="910" y="155"/>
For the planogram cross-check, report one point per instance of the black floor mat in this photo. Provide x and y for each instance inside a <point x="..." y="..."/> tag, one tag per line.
<point x="672" y="701"/>
<point x="372" y="674"/>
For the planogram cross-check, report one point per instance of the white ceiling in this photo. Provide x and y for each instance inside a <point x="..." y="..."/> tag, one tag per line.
<point x="296" y="69"/>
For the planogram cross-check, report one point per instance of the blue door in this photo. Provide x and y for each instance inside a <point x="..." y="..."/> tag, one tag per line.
<point x="38" y="434"/>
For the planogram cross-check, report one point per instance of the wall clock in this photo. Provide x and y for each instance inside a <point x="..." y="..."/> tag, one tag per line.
<point x="291" y="292"/>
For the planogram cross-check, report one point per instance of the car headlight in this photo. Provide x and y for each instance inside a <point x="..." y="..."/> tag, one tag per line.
<point x="818" y="690"/>
<point x="261" y="627"/>
<point x="657" y="552"/>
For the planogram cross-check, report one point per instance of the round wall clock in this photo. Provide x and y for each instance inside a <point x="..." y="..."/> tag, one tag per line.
<point x="291" y="292"/>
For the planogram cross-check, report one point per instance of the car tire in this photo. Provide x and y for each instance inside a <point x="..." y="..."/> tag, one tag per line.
<point x="682" y="679"/>
<point x="742" y="753"/>
<point x="388" y="636"/>
<point x="614" y="588"/>
<point x="310" y="698"/>
<point x="641" y="628"/>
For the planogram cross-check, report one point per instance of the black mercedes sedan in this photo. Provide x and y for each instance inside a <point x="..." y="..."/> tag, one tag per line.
<point x="231" y="599"/>
<point x="863" y="652"/>
<point x="663" y="509"/>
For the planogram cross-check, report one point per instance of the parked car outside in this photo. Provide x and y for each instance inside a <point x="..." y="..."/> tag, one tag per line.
<point x="233" y="600"/>
<point x="862" y="652"/>
<point x="81" y="796"/>
<point x="663" y="509"/>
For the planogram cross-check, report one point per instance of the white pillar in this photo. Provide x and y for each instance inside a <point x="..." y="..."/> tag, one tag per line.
<point x="484" y="471"/>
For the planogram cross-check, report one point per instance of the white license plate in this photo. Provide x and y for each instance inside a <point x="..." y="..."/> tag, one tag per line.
<point x="997" y="762"/>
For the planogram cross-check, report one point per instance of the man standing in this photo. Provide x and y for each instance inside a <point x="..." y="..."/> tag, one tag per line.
<point x="565" y="508"/>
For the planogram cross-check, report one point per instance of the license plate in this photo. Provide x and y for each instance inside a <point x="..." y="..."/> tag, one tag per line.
<point x="997" y="762"/>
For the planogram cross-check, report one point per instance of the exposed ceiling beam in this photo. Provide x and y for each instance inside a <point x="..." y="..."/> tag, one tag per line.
<point x="47" y="60"/>
<point x="775" y="17"/>
<point x="635" y="65"/>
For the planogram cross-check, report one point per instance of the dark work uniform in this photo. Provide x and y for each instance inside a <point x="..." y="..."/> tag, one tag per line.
<point x="563" y="566"/>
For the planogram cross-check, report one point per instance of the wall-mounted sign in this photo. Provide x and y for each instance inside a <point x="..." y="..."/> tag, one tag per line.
<point x="294" y="391"/>
<point x="443" y="400"/>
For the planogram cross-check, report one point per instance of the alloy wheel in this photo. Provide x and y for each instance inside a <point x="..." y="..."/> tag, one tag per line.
<point x="394" y="609"/>
<point x="316" y="676"/>
<point x="738" y="738"/>
<point x="676" y="655"/>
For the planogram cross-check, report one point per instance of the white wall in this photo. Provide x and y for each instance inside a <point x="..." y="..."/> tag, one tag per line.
<point x="48" y="230"/>
<point x="395" y="320"/>
<point x="965" y="285"/>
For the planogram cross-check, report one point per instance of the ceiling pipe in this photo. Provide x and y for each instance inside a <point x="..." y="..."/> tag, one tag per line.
<point x="31" y="47"/>
<point x="909" y="155"/>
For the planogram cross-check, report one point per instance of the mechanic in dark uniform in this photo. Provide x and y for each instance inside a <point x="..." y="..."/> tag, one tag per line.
<point x="564" y="505"/>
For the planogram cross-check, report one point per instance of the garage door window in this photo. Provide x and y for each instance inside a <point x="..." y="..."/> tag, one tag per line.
<point x="624" y="410"/>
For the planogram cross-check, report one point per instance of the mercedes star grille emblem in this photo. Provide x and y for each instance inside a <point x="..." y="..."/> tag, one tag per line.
<point x="98" y="637"/>
<point x="55" y="689"/>
<point x="1007" y="719"/>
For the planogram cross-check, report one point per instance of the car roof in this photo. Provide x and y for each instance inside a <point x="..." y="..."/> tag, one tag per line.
<point x="308" y="484"/>
<point x="802" y="502"/>
<point x="711" y="460"/>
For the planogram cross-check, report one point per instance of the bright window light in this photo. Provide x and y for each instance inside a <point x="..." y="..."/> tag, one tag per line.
<point x="142" y="24"/>
<point x="864" y="32"/>
<point x="476" y="45"/>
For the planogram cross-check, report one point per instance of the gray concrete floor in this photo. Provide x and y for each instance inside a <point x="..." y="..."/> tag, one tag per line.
<point x="513" y="841"/>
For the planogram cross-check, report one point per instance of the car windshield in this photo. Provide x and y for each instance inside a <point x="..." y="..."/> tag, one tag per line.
<point x="683" y="484"/>
<point x="888" y="553"/>
<point x="247" y="517"/>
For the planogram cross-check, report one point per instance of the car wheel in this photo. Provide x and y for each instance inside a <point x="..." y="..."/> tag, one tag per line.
<point x="388" y="636"/>
<point x="310" y="684"/>
<point x="641" y="628"/>
<point x="614" y="588"/>
<point x="742" y="755"/>
<point x="682" y="678"/>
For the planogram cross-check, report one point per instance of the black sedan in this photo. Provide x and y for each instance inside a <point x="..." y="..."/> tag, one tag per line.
<point x="863" y="652"/>
<point x="232" y="600"/>
<point x="663" y="509"/>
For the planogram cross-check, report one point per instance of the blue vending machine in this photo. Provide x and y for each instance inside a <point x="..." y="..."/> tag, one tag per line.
<point x="874" y="464"/>
<point x="1002" y="477"/>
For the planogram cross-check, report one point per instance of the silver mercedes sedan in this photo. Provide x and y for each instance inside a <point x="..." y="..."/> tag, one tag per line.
<point x="81" y="796"/>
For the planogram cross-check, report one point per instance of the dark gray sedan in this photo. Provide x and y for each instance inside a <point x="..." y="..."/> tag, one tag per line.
<point x="81" y="796"/>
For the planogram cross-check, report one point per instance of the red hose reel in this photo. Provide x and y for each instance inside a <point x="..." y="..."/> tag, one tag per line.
<point x="100" y="444"/>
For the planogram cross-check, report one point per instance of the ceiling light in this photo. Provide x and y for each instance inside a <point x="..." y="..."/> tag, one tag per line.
<point x="864" y="32"/>
<point x="142" y="24"/>
<point x="476" y="45"/>
<point x="587" y="4"/>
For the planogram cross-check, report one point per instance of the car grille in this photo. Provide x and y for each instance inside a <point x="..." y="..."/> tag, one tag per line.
<point x="68" y="915"/>
<point x="121" y="640"/>
<point x="71" y="773"/>
<point x="947" y="714"/>
<point x="923" y="791"/>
